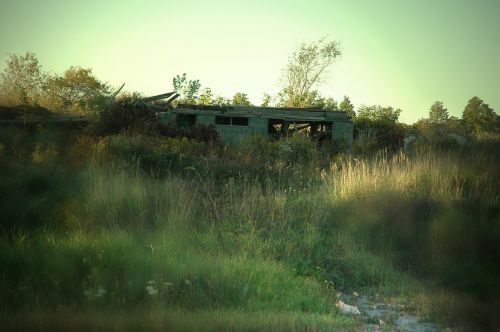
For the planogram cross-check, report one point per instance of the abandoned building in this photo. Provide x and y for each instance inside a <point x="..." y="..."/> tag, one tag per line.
<point x="234" y="123"/>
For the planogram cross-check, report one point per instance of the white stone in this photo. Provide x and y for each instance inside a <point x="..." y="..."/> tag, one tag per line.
<point x="347" y="309"/>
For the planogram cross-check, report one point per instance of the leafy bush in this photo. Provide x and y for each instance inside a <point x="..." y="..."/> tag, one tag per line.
<point x="385" y="134"/>
<point x="124" y="117"/>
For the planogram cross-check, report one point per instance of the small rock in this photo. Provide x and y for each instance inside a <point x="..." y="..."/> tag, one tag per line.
<point x="347" y="309"/>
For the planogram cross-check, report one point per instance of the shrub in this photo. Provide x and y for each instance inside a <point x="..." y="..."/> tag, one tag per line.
<point x="380" y="134"/>
<point x="124" y="117"/>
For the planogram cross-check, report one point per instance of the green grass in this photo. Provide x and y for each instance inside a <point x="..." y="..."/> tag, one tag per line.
<point x="434" y="214"/>
<point x="179" y="320"/>
<point x="182" y="270"/>
<point x="190" y="236"/>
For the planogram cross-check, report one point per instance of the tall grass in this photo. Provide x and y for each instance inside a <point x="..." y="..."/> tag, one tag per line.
<point x="119" y="199"/>
<point x="134" y="242"/>
<point x="425" y="174"/>
<point x="434" y="213"/>
<point x="163" y="225"/>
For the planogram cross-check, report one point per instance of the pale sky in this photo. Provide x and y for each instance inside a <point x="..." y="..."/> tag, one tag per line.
<point x="403" y="53"/>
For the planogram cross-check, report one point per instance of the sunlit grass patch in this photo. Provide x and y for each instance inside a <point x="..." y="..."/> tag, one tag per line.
<point x="426" y="174"/>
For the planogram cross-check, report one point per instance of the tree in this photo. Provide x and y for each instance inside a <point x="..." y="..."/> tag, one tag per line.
<point x="305" y="71"/>
<point x="206" y="97"/>
<point x="438" y="113"/>
<point x="479" y="117"/>
<point x="347" y="106"/>
<point x="241" y="99"/>
<point x="187" y="89"/>
<point x="381" y="125"/>
<point x="75" y="91"/>
<point x="329" y="104"/>
<point x="379" y="113"/>
<point x="310" y="99"/>
<point x="219" y="100"/>
<point x="266" y="100"/>
<point x="22" y="81"/>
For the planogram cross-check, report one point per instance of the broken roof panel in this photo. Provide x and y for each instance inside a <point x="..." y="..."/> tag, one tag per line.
<point x="290" y="114"/>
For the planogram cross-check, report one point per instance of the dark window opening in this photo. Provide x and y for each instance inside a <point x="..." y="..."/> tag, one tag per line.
<point x="223" y="120"/>
<point x="239" y="121"/>
<point x="228" y="121"/>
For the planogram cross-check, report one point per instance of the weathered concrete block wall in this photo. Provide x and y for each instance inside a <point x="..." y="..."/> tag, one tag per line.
<point x="205" y="120"/>
<point x="258" y="125"/>
<point x="233" y="135"/>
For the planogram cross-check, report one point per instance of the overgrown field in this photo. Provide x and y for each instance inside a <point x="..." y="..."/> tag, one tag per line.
<point x="148" y="233"/>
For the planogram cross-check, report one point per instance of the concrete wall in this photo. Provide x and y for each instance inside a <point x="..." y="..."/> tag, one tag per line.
<point x="205" y="120"/>
<point x="234" y="135"/>
<point x="258" y="125"/>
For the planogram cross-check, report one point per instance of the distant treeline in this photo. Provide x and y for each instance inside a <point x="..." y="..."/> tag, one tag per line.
<point x="77" y="90"/>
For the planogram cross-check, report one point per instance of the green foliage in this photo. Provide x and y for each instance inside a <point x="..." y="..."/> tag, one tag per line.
<point x="219" y="100"/>
<point x="182" y="226"/>
<point x="77" y="91"/>
<point x="206" y="97"/>
<point x="189" y="94"/>
<point x="34" y="188"/>
<point x="452" y="133"/>
<point x="167" y="272"/>
<point x="218" y="320"/>
<point x="188" y="89"/>
<point x="480" y="117"/>
<point x="266" y="227"/>
<point x="185" y="269"/>
<point x="378" y="113"/>
<point x="330" y="105"/>
<point x="430" y="213"/>
<point x="22" y="81"/>
<point x="371" y="135"/>
<point x="287" y="98"/>
<point x="346" y="106"/>
<point x="297" y="150"/>
<point x="123" y="116"/>
<point x="305" y="70"/>
<point x="266" y="100"/>
<point x="438" y="113"/>
<point x="154" y="155"/>
<point x="241" y="99"/>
